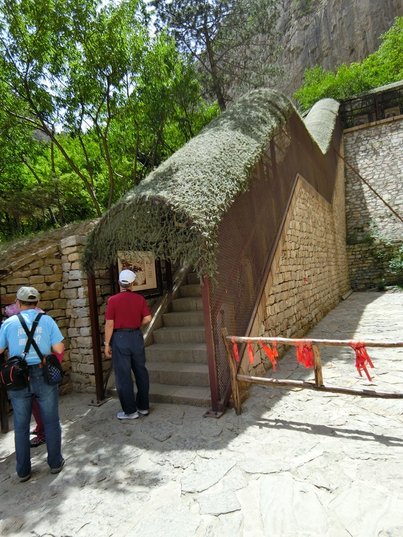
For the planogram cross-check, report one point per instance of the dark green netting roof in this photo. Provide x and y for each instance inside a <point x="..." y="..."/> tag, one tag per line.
<point x="176" y="210"/>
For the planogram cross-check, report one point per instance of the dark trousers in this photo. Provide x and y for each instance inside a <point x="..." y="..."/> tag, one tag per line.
<point x="128" y="355"/>
<point x="48" y="399"/>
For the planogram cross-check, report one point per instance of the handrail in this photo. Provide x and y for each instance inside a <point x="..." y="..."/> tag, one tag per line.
<point x="179" y="278"/>
<point x="312" y="345"/>
<point x="166" y="300"/>
<point x="324" y="342"/>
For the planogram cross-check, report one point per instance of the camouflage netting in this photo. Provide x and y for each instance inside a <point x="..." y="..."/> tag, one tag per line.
<point x="320" y="122"/>
<point x="176" y="210"/>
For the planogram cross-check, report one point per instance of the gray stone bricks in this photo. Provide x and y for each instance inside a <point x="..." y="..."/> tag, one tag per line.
<point x="56" y="271"/>
<point x="309" y="273"/>
<point x="375" y="151"/>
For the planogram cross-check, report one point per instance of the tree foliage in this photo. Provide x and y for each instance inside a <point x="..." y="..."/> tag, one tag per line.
<point x="229" y="39"/>
<point x="90" y="102"/>
<point x="382" y="67"/>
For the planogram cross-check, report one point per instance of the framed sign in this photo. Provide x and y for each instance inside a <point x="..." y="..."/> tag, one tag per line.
<point x="144" y="264"/>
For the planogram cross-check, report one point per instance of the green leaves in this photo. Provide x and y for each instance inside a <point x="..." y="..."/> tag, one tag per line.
<point x="228" y="40"/>
<point x="382" y="67"/>
<point x="109" y="101"/>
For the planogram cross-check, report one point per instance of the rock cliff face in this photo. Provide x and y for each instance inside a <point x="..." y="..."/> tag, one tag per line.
<point x="329" y="33"/>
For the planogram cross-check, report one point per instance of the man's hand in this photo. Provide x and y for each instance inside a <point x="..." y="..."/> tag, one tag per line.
<point x="108" y="350"/>
<point x="146" y="320"/>
<point x="109" y="325"/>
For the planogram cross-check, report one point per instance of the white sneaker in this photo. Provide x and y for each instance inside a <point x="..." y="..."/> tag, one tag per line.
<point x="143" y="412"/>
<point x="124" y="416"/>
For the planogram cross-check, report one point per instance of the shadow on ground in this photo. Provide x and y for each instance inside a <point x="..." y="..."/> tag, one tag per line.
<point x="176" y="451"/>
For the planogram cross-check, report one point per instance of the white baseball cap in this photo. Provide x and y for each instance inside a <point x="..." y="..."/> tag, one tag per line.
<point x="28" y="294"/>
<point x="127" y="277"/>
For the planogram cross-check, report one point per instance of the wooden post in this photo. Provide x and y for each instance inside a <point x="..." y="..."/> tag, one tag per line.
<point x="318" y="385"/>
<point x="303" y="384"/>
<point x="212" y="365"/>
<point x="95" y="338"/>
<point x="318" y="366"/>
<point x="233" y="374"/>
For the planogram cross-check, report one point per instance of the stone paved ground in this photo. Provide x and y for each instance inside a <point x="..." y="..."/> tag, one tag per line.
<point x="294" y="464"/>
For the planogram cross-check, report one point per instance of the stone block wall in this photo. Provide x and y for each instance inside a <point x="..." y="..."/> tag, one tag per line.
<point x="309" y="273"/>
<point x="369" y="264"/>
<point x="375" y="152"/>
<point x="79" y="331"/>
<point x="43" y="269"/>
<point x="53" y="265"/>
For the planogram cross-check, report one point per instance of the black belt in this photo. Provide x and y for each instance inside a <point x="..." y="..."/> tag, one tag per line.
<point x="126" y="329"/>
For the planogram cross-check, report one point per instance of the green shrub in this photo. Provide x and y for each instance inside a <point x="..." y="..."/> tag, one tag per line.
<point x="382" y="67"/>
<point x="396" y="265"/>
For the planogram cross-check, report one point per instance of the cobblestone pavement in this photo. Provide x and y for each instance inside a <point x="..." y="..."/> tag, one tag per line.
<point x="293" y="464"/>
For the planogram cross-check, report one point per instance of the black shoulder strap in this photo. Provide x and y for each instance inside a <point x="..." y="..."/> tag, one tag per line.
<point x="30" y="334"/>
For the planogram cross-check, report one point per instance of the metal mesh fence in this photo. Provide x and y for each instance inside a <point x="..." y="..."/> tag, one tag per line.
<point x="249" y="231"/>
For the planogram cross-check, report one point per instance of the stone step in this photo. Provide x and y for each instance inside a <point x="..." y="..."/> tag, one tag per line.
<point x="177" y="358"/>
<point x="173" y="394"/>
<point x="179" y="373"/>
<point x="192" y="289"/>
<point x="183" y="334"/>
<point x="185" y="395"/>
<point x="189" y="303"/>
<point x="183" y="318"/>
<point x="178" y="352"/>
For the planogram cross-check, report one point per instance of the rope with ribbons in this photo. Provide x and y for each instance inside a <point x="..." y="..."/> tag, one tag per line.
<point x="304" y="354"/>
<point x="362" y="360"/>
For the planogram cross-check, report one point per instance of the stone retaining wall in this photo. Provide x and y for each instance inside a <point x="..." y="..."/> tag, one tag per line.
<point x="309" y="273"/>
<point x="42" y="269"/>
<point x="79" y="332"/>
<point x="56" y="271"/>
<point x="373" y="231"/>
<point x="53" y="264"/>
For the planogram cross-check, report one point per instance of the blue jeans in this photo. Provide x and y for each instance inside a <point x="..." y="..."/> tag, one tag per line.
<point x="128" y="355"/>
<point x="48" y="400"/>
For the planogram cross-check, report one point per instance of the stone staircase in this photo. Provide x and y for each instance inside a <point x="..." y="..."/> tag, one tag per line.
<point x="177" y="358"/>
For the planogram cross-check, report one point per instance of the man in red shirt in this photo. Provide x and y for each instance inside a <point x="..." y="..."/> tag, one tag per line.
<point x="126" y="313"/>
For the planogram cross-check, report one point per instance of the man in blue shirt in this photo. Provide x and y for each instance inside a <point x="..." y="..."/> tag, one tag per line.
<point x="49" y="339"/>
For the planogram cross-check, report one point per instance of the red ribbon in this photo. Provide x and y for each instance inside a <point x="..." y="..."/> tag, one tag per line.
<point x="250" y="353"/>
<point x="362" y="359"/>
<point x="305" y="355"/>
<point x="271" y="353"/>
<point x="235" y="349"/>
